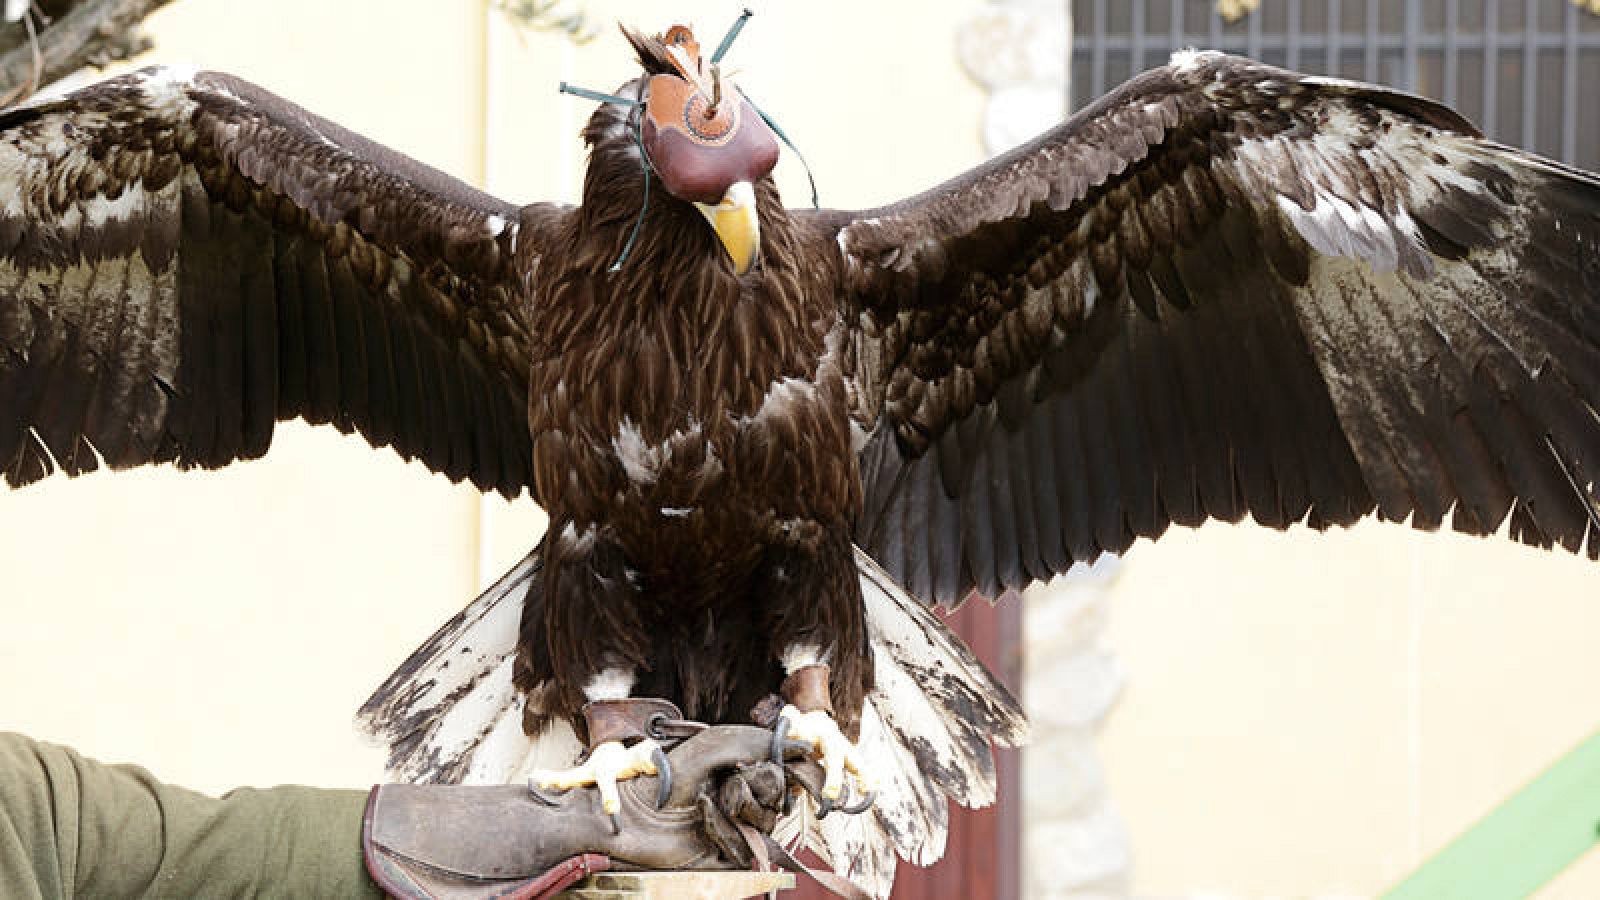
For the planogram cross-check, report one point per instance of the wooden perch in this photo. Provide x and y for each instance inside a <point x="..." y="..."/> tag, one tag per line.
<point x="75" y="35"/>
<point x="679" y="885"/>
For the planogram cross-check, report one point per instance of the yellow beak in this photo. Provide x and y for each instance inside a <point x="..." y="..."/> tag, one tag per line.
<point x="735" y="222"/>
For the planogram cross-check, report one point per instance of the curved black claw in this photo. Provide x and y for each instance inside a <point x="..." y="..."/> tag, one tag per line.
<point x="539" y="795"/>
<point x="663" y="776"/>
<point x="861" y="807"/>
<point x="801" y="778"/>
<point x="616" y="824"/>
<point x="780" y="736"/>
<point x="826" y="805"/>
<point x="782" y="746"/>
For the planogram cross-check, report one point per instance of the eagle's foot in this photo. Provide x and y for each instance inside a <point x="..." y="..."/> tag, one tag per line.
<point x="622" y="733"/>
<point x="806" y="724"/>
<point x="607" y="764"/>
<point x="819" y="736"/>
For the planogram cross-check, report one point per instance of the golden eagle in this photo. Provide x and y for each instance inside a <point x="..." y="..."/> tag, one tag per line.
<point x="1223" y="290"/>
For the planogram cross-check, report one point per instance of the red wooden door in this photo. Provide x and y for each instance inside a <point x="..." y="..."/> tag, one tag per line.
<point x="983" y="858"/>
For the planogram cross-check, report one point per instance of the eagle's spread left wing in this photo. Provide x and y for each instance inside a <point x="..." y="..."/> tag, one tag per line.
<point x="186" y="259"/>
<point x="1226" y="289"/>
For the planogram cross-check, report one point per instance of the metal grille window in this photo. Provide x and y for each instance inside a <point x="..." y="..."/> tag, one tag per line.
<point x="1526" y="71"/>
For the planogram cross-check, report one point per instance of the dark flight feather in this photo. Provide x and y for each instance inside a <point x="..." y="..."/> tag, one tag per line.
<point x="224" y="259"/>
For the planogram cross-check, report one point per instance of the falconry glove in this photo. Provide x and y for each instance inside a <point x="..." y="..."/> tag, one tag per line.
<point x="466" y="841"/>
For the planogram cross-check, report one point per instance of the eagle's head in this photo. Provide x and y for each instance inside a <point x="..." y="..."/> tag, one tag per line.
<point x="702" y="138"/>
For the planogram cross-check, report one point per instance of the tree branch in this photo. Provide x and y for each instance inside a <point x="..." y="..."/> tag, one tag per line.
<point x="79" y="34"/>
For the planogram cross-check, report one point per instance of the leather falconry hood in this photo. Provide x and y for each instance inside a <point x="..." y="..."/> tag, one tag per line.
<point x="700" y="133"/>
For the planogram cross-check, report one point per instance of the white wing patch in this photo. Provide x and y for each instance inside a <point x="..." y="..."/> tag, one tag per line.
<point x="1189" y="59"/>
<point x="98" y="210"/>
<point x="167" y="88"/>
<point x="1415" y="163"/>
<point x="1335" y="227"/>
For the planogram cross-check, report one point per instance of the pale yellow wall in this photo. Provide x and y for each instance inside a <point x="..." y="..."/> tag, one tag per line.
<point x="1302" y="716"/>
<point x="1311" y="715"/>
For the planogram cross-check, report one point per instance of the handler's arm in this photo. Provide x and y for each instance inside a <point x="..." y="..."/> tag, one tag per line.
<point x="73" y="827"/>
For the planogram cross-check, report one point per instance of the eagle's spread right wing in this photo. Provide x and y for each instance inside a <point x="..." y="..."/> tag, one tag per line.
<point x="1225" y="290"/>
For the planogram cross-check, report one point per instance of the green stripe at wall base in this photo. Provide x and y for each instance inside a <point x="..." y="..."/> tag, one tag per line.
<point x="1523" y="843"/>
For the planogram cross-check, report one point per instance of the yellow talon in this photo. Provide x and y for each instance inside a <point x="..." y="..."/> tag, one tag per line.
<point x="607" y="764"/>
<point x="837" y="755"/>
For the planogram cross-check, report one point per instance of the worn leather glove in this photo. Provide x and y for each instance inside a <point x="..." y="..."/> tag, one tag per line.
<point x="458" y="841"/>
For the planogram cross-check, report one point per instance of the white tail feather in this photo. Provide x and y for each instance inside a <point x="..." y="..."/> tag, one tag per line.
<point x="491" y="755"/>
<point x="925" y="732"/>
<point x="451" y="713"/>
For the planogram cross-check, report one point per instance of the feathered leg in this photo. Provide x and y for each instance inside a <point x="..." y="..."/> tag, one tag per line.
<point x="620" y="746"/>
<point x="589" y="644"/>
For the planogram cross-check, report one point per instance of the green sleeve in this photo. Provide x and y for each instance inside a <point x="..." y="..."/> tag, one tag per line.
<point x="73" y="827"/>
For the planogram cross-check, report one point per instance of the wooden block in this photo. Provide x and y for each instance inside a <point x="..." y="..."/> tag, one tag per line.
<point x="679" y="885"/>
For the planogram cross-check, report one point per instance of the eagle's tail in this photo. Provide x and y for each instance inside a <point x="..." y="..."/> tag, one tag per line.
<point x="451" y="713"/>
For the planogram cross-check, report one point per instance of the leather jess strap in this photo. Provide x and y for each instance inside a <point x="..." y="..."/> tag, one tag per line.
<point x="768" y="852"/>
